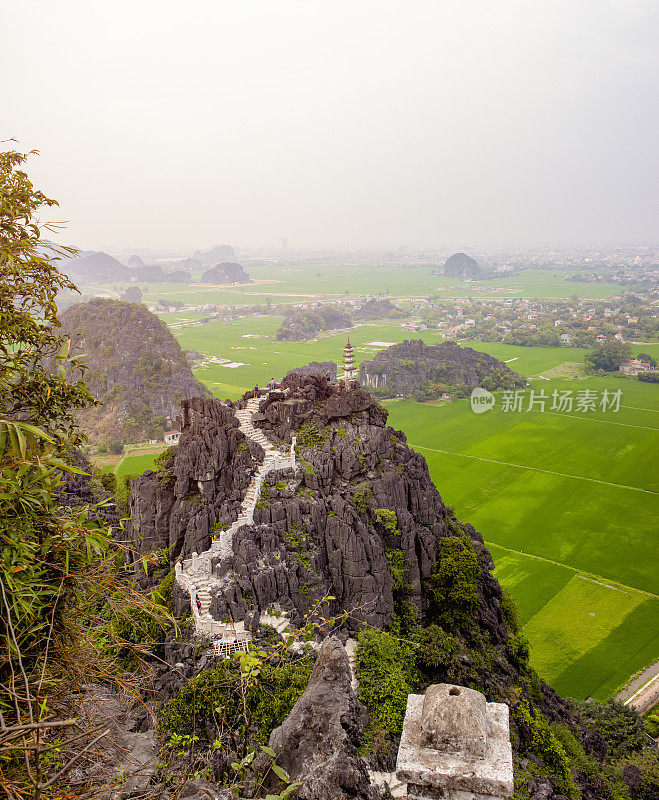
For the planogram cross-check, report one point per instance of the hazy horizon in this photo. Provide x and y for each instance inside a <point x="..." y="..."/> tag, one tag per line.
<point x="368" y="125"/>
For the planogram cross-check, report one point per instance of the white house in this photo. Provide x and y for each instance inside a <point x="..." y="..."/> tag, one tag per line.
<point x="172" y="437"/>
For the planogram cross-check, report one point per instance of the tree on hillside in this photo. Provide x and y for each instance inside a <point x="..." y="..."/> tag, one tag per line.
<point x="609" y="355"/>
<point x="133" y="294"/>
<point x="33" y="353"/>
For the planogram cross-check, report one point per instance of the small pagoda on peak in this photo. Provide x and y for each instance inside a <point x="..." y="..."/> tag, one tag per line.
<point x="349" y="373"/>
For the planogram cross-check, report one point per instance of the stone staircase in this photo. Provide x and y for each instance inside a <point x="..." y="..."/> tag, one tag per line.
<point x="195" y="575"/>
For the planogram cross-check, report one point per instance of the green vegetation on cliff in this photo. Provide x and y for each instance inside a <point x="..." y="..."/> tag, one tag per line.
<point x="136" y="368"/>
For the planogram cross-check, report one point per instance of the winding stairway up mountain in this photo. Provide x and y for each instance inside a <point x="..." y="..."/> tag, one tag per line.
<point x="198" y="575"/>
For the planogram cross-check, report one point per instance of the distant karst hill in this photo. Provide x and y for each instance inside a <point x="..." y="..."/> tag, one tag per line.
<point x="317" y="368"/>
<point x="426" y="371"/>
<point x="148" y="273"/>
<point x="91" y="266"/>
<point x="136" y="368"/>
<point x="303" y="324"/>
<point x="178" y="276"/>
<point x="154" y="273"/>
<point x="377" y="308"/>
<point x="207" y="258"/>
<point x="226" y="272"/>
<point x="460" y="265"/>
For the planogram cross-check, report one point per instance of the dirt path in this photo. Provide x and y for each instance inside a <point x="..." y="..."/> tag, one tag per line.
<point x="643" y="692"/>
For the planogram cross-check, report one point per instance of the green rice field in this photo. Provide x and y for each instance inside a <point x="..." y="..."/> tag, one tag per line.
<point x="297" y="284"/>
<point x="135" y="462"/>
<point x="567" y="504"/>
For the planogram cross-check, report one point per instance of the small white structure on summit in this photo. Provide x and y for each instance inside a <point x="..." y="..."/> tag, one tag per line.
<point x="455" y="746"/>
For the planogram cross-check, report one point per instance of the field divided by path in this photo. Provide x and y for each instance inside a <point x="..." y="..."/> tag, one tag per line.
<point x="568" y="508"/>
<point x="133" y="463"/>
<point x="588" y="636"/>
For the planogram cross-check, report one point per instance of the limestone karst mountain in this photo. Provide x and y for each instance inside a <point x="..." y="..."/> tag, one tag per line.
<point x="303" y="324"/>
<point x="91" y="266"/>
<point x="136" y="368"/>
<point x="148" y="273"/>
<point x="325" y="528"/>
<point x="226" y="272"/>
<point x="425" y="370"/>
<point x="461" y="265"/>
<point x="219" y="253"/>
<point x="178" y="276"/>
<point x="377" y="308"/>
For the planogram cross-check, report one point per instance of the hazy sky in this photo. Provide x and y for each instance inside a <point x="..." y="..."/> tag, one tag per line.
<point x="338" y="123"/>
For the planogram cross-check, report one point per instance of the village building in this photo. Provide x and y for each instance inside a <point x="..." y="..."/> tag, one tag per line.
<point x="635" y="367"/>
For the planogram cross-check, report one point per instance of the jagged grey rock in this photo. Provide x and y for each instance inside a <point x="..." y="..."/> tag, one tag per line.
<point x="404" y="368"/>
<point x="123" y="751"/>
<point x="317" y="367"/>
<point x="308" y="538"/>
<point x="317" y="743"/>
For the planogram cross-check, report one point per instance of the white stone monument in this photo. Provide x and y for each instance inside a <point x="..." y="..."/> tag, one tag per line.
<point x="455" y="746"/>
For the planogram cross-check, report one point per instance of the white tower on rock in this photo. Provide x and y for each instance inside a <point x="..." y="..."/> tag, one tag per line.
<point x="348" y="363"/>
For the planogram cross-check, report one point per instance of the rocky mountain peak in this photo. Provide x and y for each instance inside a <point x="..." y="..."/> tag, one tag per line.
<point x="136" y="368"/>
<point x="461" y="265"/>
<point x="326" y="528"/>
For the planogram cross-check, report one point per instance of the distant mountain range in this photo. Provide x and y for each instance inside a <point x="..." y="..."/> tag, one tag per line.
<point x="92" y="266"/>
<point x="95" y="266"/>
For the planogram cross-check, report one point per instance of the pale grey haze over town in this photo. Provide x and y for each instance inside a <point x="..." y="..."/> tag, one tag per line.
<point x="352" y="123"/>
